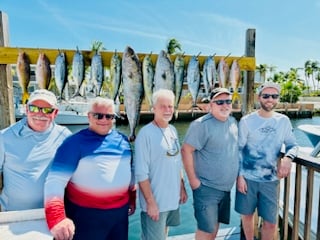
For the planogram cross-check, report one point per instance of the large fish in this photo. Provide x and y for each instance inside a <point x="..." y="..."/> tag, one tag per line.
<point x="193" y="79"/>
<point x="223" y="73"/>
<point x="148" y="77"/>
<point x="23" y="72"/>
<point x="211" y="71"/>
<point x="235" y="78"/>
<point x="96" y="75"/>
<point x="60" y="72"/>
<point x="178" y="68"/>
<point x="78" y="71"/>
<point x="115" y="74"/>
<point x="132" y="88"/>
<point x="43" y="71"/>
<point x="164" y="75"/>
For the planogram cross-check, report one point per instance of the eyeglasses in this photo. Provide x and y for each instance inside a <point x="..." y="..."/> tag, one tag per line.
<point x="36" y="109"/>
<point x="266" y="96"/>
<point x="221" y="102"/>
<point x="100" y="116"/>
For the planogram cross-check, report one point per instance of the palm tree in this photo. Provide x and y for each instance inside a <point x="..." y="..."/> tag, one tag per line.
<point x="97" y="46"/>
<point x="308" y="71"/>
<point x="262" y="69"/>
<point x="173" y="45"/>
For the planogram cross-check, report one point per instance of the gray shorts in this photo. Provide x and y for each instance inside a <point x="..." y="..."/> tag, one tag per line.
<point x="210" y="207"/>
<point x="260" y="195"/>
<point x="155" y="230"/>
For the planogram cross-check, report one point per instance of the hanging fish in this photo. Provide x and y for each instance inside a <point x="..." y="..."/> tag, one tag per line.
<point x="43" y="71"/>
<point x="23" y="72"/>
<point x="235" y="78"/>
<point x="115" y="74"/>
<point x="164" y="75"/>
<point x="178" y="68"/>
<point x="193" y="79"/>
<point x="223" y="73"/>
<point x="96" y="75"/>
<point x="60" y="72"/>
<point x="78" y="71"/>
<point x="148" y="77"/>
<point x="132" y="88"/>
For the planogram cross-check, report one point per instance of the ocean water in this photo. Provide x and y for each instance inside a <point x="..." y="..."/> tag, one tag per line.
<point x="188" y="224"/>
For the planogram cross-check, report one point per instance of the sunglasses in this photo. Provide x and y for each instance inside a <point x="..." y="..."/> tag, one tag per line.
<point x="100" y="116"/>
<point x="221" y="102"/>
<point x="266" y="96"/>
<point x="36" y="109"/>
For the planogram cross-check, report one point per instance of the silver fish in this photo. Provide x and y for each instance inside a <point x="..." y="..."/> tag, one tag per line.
<point x="193" y="79"/>
<point x="115" y="74"/>
<point x="78" y="71"/>
<point x="60" y="72"/>
<point x="96" y="75"/>
<point x="23" y="73"/>
<point x="132" y="88"/>
<point x="164" y="75"/>
<point x="43" y="71"/>
<point x="223" y="73"/>
<point x="148" y="77"/>
<point x="178" y="68"/>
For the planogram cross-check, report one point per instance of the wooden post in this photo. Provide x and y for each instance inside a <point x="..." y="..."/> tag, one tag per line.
<point x="248" y="89"/>
<point x="6" y="84"/>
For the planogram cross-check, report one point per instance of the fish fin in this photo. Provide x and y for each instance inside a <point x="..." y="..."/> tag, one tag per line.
<point x="25" y="97"/>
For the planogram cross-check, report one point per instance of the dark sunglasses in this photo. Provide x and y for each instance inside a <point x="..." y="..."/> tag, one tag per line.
<point x="100" y="116"/>
<point x="266" y="96"/>
<point x="221" y="102"/>
<point x="36" y="109"/>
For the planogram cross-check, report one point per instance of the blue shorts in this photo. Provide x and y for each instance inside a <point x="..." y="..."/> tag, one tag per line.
<point x="260" y="195"/>
<point x="155" y="230"/>
<point x="211" y="206"/>
<point x="93" y="223"/>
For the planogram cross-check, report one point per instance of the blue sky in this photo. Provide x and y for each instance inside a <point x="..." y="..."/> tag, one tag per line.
<point x="287" y="32"/>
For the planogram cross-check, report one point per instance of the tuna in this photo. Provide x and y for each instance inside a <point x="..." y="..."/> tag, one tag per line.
<point x="78" y="71"/>
<point x="132" y="88"/>
<point x="43" y="71"/>
<point x="178" y="68"/>
<point x="23" y="72"/>
<point x="148" y="77"/>
<point x="193" y="79"/>
<point x="94" y="85"/>
<point x="60" y="72"/>
<point x="209" y="75"/>
<point x="164" y="75"/>
<point x="115" y="74"/>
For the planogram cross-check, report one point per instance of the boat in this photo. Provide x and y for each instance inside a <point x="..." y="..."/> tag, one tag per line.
<point x="313" y="134"/>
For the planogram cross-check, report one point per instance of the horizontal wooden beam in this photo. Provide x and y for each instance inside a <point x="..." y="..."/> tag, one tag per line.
<point x="9" y="55"/>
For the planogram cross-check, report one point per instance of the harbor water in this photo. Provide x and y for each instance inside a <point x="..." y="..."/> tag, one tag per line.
<point x="188" y="224"/>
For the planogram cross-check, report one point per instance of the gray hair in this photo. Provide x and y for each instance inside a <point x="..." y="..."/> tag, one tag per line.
<point x="101" y="101"/>
<point x="166" y="93"/>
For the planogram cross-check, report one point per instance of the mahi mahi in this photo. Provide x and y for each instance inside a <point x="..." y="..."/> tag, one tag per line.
<point x="132" y="88"/>
<point x="223" y="73"/>
<point x="23" y="72"/>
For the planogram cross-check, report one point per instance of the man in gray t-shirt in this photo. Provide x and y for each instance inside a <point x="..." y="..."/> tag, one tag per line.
<point x="210" y="158"/>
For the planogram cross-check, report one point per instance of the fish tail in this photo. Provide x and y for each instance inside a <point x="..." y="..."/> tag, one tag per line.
<point x="25" y="97"/>
<point x="235" y="97"/>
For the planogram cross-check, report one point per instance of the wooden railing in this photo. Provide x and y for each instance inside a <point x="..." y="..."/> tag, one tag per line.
<point x="299" y="200"/>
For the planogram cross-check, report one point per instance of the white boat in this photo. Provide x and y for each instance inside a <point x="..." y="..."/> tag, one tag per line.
<point x="313" y="134"/>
